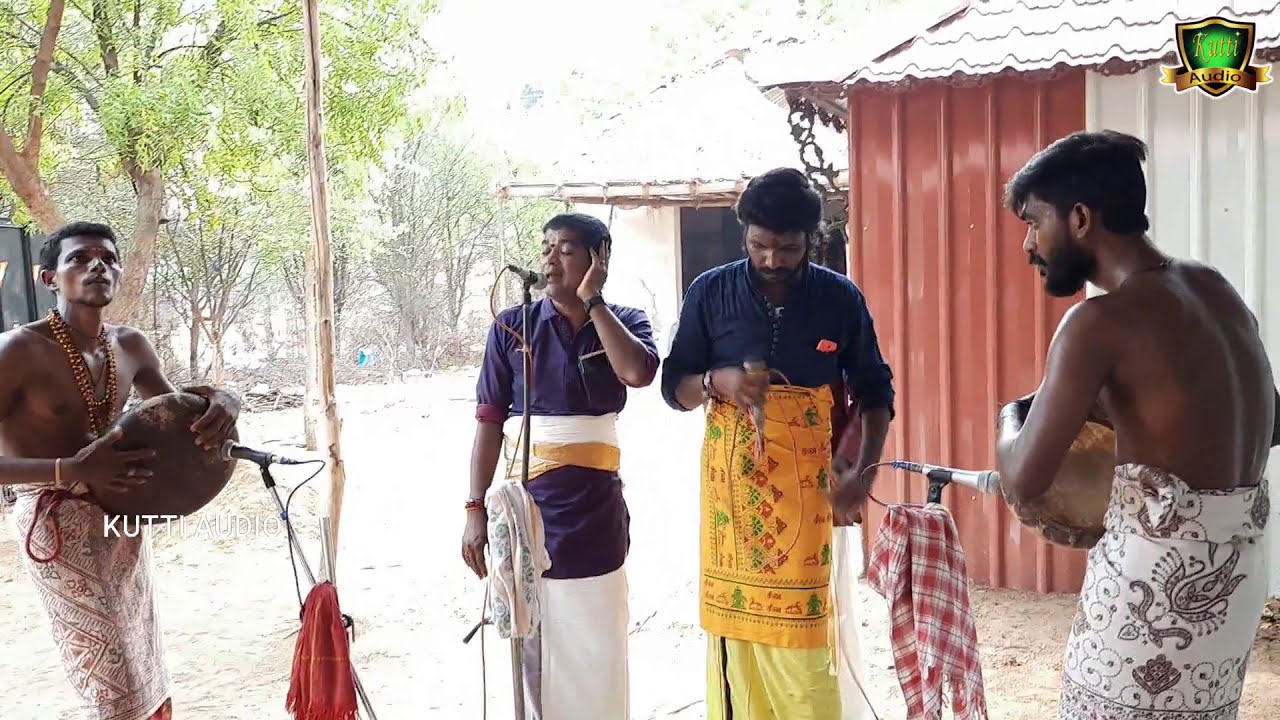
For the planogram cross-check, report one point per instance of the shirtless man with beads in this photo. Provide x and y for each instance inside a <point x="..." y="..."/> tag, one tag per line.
<point x="63" y="381"/>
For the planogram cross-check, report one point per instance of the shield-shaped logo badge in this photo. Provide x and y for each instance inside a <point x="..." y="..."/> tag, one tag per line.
<point x="1215" y="54"/>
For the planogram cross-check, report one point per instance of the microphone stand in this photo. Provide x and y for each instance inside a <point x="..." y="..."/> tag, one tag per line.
<point x="517" y="643"/>
<point x="937" y="481"/>
<point x="270" y="483"/>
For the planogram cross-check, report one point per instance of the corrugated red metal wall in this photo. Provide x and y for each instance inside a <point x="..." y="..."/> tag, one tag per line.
<point x="962" y="318"/>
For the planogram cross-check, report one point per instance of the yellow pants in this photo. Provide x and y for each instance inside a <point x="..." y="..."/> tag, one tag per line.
<point x="751" y="681"/>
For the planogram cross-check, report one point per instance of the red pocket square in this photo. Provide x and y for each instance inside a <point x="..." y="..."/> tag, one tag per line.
<point x="826" y="346"/>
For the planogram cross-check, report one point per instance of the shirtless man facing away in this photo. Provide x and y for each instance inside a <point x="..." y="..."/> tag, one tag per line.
<point x="96" y="589"/>
<point x="1173" y="591"/>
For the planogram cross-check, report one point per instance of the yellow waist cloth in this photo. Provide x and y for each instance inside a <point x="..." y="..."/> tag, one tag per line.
<point x="545" y="457"/>
<point x="549" y="456"/>
<point x="766" y="522"/>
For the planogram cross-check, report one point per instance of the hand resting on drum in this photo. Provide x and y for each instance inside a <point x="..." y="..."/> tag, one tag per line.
<point x="101" y="467"/>
<point x="214" y="427"/>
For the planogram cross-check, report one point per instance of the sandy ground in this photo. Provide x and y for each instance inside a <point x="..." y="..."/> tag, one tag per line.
<point x="230" y="607"/>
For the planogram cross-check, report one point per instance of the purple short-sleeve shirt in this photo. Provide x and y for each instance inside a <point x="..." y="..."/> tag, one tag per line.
<point x="584" y="514"/>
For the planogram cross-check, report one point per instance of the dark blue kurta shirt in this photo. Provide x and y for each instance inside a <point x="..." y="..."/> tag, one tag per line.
<point x="584" y="516"/>
<point x="726" y="318"/>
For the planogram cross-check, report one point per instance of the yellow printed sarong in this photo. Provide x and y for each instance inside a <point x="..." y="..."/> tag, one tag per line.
<point x="766" y="521"/>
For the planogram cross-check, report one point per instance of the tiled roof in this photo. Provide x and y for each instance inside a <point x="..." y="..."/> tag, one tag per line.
<point x="984" y="37"/>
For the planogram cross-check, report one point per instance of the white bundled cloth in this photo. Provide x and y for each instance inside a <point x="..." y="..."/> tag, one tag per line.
<point x="518" y="559"/>
<point x="847" y="651"/>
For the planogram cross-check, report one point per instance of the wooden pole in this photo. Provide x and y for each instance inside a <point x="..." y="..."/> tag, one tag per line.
<point x="311" y="393"/>
<point x="323" y="267"/>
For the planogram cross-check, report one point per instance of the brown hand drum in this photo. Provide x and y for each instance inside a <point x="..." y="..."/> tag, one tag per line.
<point x="1071" y="512"/>
<point x="185" y="477"/>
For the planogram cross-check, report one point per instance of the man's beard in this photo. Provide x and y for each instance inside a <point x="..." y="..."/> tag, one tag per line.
<point x="780" y="276"/>
<point x="1067" y="269"/>
<point x="777" y="276"/>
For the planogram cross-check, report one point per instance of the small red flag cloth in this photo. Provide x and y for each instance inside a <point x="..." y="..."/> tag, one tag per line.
<point x="323" y="686"/>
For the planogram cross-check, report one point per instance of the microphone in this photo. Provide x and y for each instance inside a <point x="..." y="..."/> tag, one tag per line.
<point x="534" y="280"/>
<point x="231" y="450"/>
<point x="984" y="481"/>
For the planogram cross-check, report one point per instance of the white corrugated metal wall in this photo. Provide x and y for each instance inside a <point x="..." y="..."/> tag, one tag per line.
<point x="1213" y="175"/>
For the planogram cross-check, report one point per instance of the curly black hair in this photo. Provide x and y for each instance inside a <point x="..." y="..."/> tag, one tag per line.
<point x="782" y="200"/>
<point x="1101" y="170"/>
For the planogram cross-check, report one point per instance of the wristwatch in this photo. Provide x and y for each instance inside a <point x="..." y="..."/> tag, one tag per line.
<point x="592" y="302"/>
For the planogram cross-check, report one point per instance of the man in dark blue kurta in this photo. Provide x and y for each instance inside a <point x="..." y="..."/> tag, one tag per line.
<point x="768" y="500"/>
<point x="586" y="353"/>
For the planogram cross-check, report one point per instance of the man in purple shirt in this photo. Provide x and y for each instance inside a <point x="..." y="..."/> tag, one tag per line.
<point x="585" y="354"/>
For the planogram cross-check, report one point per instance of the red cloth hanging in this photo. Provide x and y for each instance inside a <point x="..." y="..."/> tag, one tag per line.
<point x="323" y="684"/>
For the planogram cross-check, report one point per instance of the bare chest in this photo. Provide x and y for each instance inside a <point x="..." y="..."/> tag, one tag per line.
<point x="67" y="390"/>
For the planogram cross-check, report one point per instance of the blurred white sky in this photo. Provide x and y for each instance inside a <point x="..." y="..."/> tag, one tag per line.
<point x="496" y="47"/>
<point x="582" y="53"/>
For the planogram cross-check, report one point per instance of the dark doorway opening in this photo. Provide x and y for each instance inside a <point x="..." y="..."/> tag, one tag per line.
<point x="22" y="298"/>
<point x="709" y="237"/>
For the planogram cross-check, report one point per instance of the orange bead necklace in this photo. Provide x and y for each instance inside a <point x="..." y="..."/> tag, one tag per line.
<point x="100" y="411"/>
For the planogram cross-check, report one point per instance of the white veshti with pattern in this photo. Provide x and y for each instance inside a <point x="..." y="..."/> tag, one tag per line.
<point x="1170" y="602"/>
<point x="100" y="602"/>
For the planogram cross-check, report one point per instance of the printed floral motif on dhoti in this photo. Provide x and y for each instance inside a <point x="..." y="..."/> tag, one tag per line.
<point x="1170" y="602"/>
<point x="97" y="595"/>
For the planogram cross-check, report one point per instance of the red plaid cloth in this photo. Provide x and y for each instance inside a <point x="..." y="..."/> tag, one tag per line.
<point x="917" y="564"/>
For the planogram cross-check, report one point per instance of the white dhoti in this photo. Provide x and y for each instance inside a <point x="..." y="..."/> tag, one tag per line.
<point x="576" y="665"/>
<point x="575" y="654"/>
<point x="1170" y="603"/>
<point x="851" y="671"/>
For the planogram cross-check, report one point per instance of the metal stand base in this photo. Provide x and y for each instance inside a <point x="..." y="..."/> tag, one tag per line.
<point x="270" y="482"/>
<point x="517" y="676"/>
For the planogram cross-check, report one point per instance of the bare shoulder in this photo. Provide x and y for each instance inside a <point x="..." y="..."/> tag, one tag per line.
<point x="1197" y="269"/>
<point x="1208" y="289"/>
<point x="21" y="345"/>
<point x="24" y="353"/>
<point x="132" y="340"/>
<point x="1092" y="319"/>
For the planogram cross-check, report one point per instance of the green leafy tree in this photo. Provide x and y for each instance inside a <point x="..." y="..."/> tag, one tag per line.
<point x="213" y="261"/>
<point x="445" y="226"/>
<point x="163" y="82"/>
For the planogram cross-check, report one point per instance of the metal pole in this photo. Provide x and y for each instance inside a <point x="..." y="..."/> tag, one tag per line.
<point x="326" y="547"/>
<point x="270" y="482"/>
<point x="517" y="644"/>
